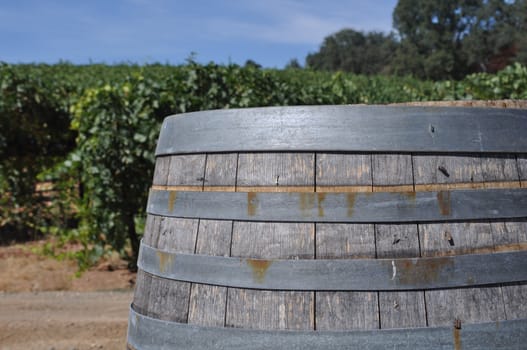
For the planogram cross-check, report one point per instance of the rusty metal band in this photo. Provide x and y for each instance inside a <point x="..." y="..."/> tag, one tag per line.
<point x="146" y="333"/>
<point x="337" y="275"/>
<point x="346" y="129"/>
<point x="378" y="207"/>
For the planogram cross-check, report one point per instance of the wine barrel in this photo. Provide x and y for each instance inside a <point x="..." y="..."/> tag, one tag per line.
<point x="335" y="227"/>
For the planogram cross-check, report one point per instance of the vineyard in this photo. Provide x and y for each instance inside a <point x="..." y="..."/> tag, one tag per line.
<point x="77" y="142"/>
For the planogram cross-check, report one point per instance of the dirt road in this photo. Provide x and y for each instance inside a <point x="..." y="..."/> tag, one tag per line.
<point x="64" y="320"/>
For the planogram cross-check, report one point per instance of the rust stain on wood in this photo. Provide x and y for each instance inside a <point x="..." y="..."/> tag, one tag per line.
<point x="345" y="189"/>
<point x="293" y="189"/>
<point x="457" y="338"/>
<point x="259" y="268"/>
<point x="443" y="199"/>
<point x="466" y="186"/>
<point x="165" y="260"/>
<point x="171" y="200"/>
<point x="414" y="271"/>
<point x="219" y="188"/>
<point x="510" y="247"/>
<point x="251" y="203"/>
<point x="393" y="188"/>
<point x="461" y="251"/>
<point x="307" y="202"/>
<point x="488" y="249"/>
<point x="321" y="198"/>
<point x="350" y="199"/>
<point x="410" y="195"/>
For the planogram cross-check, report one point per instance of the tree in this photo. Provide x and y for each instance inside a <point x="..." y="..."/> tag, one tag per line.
<point x="252" y="64"/>
<point x="118" y="126"/>
<point x="520" y="9"/>
<point x="354" y="51"/>
<point x="293" y="64"/>
<point x="452" y="38"/>
<point x="491" y="42"/>
<point x="432" y="31"/>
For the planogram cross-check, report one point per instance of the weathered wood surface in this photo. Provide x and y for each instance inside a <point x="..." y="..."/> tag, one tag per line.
<point x="207" y="303"/>
<point x="397" y="309"/>
<point x="519" y="104"/>
<point x="220" y="172"/>
<point x="455" y="172"/>
<point x="344" y="129"/>
<point x="168" y="300"/>
<point x="512" y="235"/>
<point x="341" y="173"/>
<point x="345" y="310"/>
<point x="522" y="169"/>
<point x="267" y="309"/>
<point x="161" y="171"/>
<point x="470" y="304"/>
<point x="158" y="297"/>
<point x="332" y="172"/>
<point x="219" y="306"/>
<point x="392" y="172"/>
<point x="187" y="170"/>
<point x="151" y="236"/>
<point x="275" y="172"/>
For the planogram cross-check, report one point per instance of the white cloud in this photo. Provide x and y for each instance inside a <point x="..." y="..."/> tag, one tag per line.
<point x="295" y="22"/>
<point x="171" y="29"/>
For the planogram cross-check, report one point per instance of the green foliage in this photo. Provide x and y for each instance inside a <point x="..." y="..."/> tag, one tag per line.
<point x="86" y="254"/>
<point x="452" y="38"/>
<point x="103" y="123"/>
<point x="431" y="34"/>
<point x="34" y="135"/>
<point x="510" y="83"/>
<point x="436" y="40"/>
<point x="118" y="126"/>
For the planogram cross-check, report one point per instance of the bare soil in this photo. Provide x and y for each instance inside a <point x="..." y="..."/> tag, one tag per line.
<point x="44" y="306"/>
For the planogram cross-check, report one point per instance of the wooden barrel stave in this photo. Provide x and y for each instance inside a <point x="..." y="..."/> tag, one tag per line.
<point x="359" y="310"/>
<point x="266" y="309"/>
<point x="522" y="168"/>
<point x="220" y="306"/>
<point x="345" y="310"/>
<point x="469" y="305"/>
<point x="207" y="303"/>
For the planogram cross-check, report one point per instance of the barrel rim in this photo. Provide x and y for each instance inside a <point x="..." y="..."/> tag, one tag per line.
<point x="149" y="333"/>
<point x="345" y="128"/>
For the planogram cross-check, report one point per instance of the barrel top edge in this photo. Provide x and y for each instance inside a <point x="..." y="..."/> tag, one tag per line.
<point x="322" y="108"/>
<point x="349" y="128"/>
<point x="493" y="153"/>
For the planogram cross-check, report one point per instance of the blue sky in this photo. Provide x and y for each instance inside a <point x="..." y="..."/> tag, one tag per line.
<point x="270" y="32"/>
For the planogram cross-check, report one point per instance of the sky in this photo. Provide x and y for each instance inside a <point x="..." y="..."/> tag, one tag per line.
<point x="269" y="32"/>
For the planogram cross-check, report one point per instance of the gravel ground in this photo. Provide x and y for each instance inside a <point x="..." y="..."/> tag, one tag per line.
<point x="64" y="320"/>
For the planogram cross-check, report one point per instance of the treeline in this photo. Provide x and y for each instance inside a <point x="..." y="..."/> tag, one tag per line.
<point x="437" y="40"/>
<point x="90" y="132"/>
